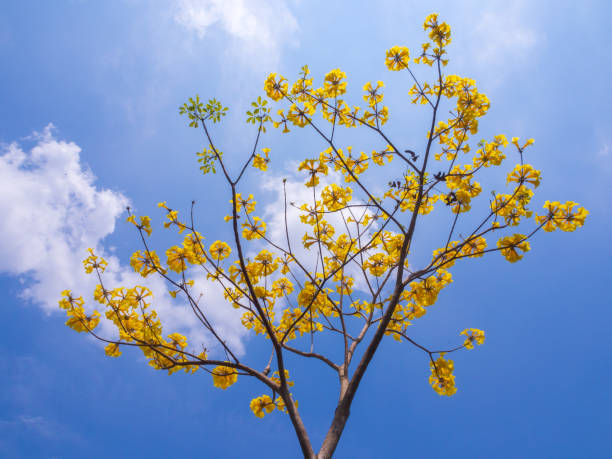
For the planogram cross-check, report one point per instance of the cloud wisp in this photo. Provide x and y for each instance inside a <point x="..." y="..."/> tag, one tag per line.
<point x="501" y="35"/>
<point x="258" y="29"/>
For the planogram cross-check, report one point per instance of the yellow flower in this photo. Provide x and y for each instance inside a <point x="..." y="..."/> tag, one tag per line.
<point x="219" y="250"/>
<point x="262" y="405"/>
<point x="462" y="201"/>
<point x="490" y="154"/>
<point x="285" y="261"/>
<point x="568" y="219"/>
<point x="138" y="295"/>
<point x="335" y="197"/>
<point x="378" y="157"/>
<point x="420" y="93"/>
<point x="283" y="120"/>
<point x="300" y="116"/>
<point x="68" y="300"/>
<point x="473" y="335"/>
<point x="145" y="223"/>
<point x="474" y="247"/>
<point x="524" y="174"/>
<point x="414" y="311"/>
<point x="439" y="33"/>
<point x="280" y="404"/>
<point x="276" y="90"/>
<point x="172" y="217"/>
<point x="254" y="230"/>
<point x="431" y="21"/>
<point x="510" y="244"/>
<point x="513" y="207"/>
<point x="528" y="142"/>
<point x="302" y="87"/>
<point x="81" y="322"/>
<point x="333" y="84"/>
<point x="93" y="262"/>
<point x="224" y="377"/>
<point x="397" y="58"/>
<point x="145" y="263"/>
<point x="194" y="248"/>
<point x="261" y="162"/>
<point x="266" y="264"/>
<point x="248" y="203"/>
<point x="372" y="95"/>
<point x="276" y="378"/>
<point x="378" y="264"/>
<point x="313" y="168"/>
<point x="176" y="259"/>
<point x="100" y="295"/>
<point x="282" y="287"/>
<point x="442" y="379"/>
<point x="177" y="341"/>
<point x="323" y="231"/>
<point x="250" y="321"/>
<point x="112" y="350"/>
<point x="309" y="296"/>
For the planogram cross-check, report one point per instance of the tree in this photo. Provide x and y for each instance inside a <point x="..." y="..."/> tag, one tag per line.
<point x="358" y="284"/>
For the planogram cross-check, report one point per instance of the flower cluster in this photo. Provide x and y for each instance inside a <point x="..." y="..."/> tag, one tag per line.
<point x="442" y="379"/>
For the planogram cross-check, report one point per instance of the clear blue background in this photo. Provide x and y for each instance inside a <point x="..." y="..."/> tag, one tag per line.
<point x="111" y="75"/>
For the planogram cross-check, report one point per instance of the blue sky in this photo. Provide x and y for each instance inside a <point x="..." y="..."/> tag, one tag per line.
<point x="90" y="94"/>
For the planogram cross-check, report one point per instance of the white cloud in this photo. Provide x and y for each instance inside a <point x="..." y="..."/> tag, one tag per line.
<point x="604" y="151"/>
<point x="52" y="212"/>
<point x="259" y="28"/>
<point x="39" y="426"/>
<point x="503" y="34"/>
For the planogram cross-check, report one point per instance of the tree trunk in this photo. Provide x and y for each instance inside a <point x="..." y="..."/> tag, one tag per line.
<point x="335" y="430"/>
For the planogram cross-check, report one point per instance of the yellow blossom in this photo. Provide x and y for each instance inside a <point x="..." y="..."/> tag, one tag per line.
<point x="300" y="115"/>
<point x="254" y="230"/>
<point x="372" y="94"/>
<point x="397" y="58"/>
<point x="333" y="84"/>
<point x="145" y="263"/>
<point x="262" y="405"/>
<point x="94" y="262"/>
<point x="79" y="321"/>
<point x="276" y="89"/>
<point x="219" y="250"/>
<point x="524" y="173"/>
<point x="442" y="378"/>
<point x="224" y="377"/>
<point x="261" y="162"/>
<point x="247" y="203"/>
<point x="511" y="244"/>
<point x="473" y="336"/>
<point x="313" y="168"/>
<point x="177" y="257"/>
<point x="112" y="350"/>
